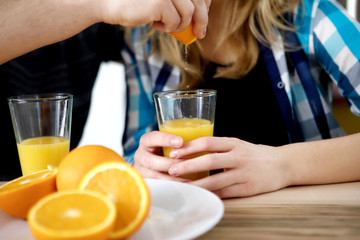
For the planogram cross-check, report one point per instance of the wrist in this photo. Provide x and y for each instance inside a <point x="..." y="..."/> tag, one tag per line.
<point x="286" y="161"/>
<point x="88" y="12"/>
<point x="104" y="10"/>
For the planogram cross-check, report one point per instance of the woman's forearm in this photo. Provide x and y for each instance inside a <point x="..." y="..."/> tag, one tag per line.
<point x="320" y="162"/>
<point x="27" y="25"/>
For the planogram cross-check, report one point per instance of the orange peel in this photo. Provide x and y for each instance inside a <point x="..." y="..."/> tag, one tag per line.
<point x="186" y="36"/>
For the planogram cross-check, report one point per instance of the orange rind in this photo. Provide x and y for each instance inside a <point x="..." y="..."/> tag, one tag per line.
<point x="79" y="161"/>
<point x="20" y="194"/>
<point x="127" y="189"/>
<point x="186" y="36"/>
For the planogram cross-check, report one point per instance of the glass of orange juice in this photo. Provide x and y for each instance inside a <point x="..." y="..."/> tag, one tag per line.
<point x="42" y="126"/>
<point x="189" y="114"/>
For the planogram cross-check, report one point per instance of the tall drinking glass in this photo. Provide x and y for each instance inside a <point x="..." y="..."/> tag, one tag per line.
<point x="42" y="126"/>
<point x="189" y="114"/>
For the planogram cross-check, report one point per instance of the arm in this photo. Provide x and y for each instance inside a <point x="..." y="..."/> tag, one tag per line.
<point x="251" y="169"/>
<point x="27" y="25"/>
<point x="330" y="45"/>
<point x="320" y="162"/>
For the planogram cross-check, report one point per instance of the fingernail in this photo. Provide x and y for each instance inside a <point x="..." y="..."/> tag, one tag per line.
<point x="173" y="154"/>
<point x="204" y="33"/>
<point x="173" y="171"/>
<point x="184" y="180"/>
<point x="175" y="142"/>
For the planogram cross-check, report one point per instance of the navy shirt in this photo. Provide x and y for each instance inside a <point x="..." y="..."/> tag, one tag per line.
<point x="237" y="107"/>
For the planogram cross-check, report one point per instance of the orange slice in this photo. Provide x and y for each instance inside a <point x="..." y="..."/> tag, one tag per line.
<point x="186" y="36"/>
<point x="72" y="215"/>
<point x="79" y="161"/>
<point x="20" y="194"/>
<point x="127" y="189"/>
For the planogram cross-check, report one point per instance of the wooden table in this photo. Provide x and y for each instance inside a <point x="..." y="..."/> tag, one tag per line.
<point x="305" y="212"/>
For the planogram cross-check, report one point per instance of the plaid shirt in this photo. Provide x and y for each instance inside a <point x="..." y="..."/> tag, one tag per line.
<point x="330" y="39"/>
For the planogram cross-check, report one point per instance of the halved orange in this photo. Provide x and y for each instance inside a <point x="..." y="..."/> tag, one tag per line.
<point x="79" y="161"/>
<point x="72" y="215"/>
<point x="127" y="189"/>
<point x="18" y="195"/>
<point x="186" y="36"/>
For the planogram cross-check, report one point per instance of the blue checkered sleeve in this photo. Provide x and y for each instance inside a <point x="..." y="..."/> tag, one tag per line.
<point x="332" y="40"/>
<point x="144" y="75"/>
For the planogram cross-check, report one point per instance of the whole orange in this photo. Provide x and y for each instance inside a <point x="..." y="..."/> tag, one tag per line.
<point x="79" y="162"/>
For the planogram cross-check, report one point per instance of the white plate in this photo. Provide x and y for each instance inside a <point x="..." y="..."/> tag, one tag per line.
<point x="178" y="211"/>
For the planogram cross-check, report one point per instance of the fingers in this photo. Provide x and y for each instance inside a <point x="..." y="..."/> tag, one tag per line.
<point x="174" y="15"/>
<point x="186" y="11"/>
<point x="157" y="138"/>
<point x="236" y="190"/>
<point x="178" y="15"/>
<point x="200" y="17"/>
<point x="219" y="180"/>
<point x="206" y="144"/>
<point x="147" y="155"/>
<point x="144" y="159"/>
<point x="228" y="184"/>
<point x="199" y="164"/>
<point x="165" y="15"/>
<point x="147" y="160"/>
<point x="148" y="173"/>
<point x="219" y="155"/>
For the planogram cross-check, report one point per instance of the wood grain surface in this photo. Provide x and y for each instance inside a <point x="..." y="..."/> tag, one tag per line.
<point x="306" y="212"/>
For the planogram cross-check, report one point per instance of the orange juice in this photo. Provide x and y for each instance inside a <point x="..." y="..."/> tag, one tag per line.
<point x="37" y="153"/>
<point x="189" y="129"/>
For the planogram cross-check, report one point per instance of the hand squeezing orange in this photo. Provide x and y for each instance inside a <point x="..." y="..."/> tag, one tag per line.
<point x="186" y="36"/>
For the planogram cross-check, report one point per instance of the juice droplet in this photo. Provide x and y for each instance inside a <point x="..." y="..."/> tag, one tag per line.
<point x="186" y="58"/>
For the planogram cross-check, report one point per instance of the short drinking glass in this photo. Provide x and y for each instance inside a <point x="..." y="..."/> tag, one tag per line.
<point x="42" y="126"/>
<point x="189" y="114"/>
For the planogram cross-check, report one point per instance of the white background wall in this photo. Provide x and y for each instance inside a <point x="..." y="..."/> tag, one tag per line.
<point x="105" y="122"/>
<point x="351" y="6"/>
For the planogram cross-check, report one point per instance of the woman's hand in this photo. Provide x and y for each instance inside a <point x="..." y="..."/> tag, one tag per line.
<point x="166" y="15"/>
<point x="249" y="169"/>
<point x="148" y="159"/>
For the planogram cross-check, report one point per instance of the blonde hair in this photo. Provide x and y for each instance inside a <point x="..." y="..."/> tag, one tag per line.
<point x="247" y="22"/>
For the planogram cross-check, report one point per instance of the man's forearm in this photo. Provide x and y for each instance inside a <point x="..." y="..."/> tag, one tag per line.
<point x="27" y="25"/>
